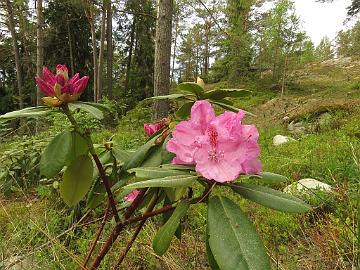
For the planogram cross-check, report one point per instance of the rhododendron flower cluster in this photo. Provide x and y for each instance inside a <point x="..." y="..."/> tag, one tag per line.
<point x="220" y="147"/>
<point x="150" y="129"/>
<point x="58" y="88"/>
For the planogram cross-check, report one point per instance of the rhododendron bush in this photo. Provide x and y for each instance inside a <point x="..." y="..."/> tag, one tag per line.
<point x="187" y="157"/>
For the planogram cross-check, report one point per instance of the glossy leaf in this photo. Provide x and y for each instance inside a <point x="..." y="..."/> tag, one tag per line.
<point x="78" y="147"/>
<point x="167" y="215"/>
<point x="170" y="181"/>
<point x="55" y="155"/>
<point x="211" y="260"/>
<point x="191" y="87"/>
<point x="120" y="154"/>
<point x="223" y="93"/>
<point x="184" y="111"/>
<point x="27" y="112"/>
<point x="154" y="172"/>
<point x="270" y="178"/>
<point x="230" y="107"/>
<point x="154" y="157"/>
<point x="94" y="111"/>
<point x="178" y="167"/>
<point x="96" y="196"/>
<point x="271" y="198"/>
<point x="164" y="236"/>
<point x="171" y="96"/>
<point x="77" y="180"/>
<point x="138" y="157"/>
<point x="233" y="239"/>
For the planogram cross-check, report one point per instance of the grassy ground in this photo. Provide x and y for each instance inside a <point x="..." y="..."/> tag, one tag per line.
<point x="38" y="230"/>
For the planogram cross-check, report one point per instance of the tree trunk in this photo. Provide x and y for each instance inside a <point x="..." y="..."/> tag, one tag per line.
<point x="109" y="45"/>
<point x="284" y="75"/>
<point x="72" y="64"/>
<point x="39" y="45"/>
<point x="101" y="52"/>
<point x="174" y="51"/>
<point x="11" y="26"/>
<point x="162" y="57"/>
<point x="207" y="40"/>
<point x="90" y="16"/>
<point x="128" y="63"/>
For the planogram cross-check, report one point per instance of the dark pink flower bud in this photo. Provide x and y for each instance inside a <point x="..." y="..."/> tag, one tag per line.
<point x="60" y="79"/>
<point x="132" y="196"/>
<point x="150" y="129"/>
<point x="48" y="76"/>
<point x="80" y="85"/>
<point x="45" y="87"/>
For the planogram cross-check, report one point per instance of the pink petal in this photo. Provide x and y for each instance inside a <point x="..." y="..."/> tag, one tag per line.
<point x="49" y="77"/>
<point x="202" y="113"/>
<point x="131" y="196"/>
<point x="74" y="78"/>
<point x="80" y="85"/>
<point x="252" y="166"/>
<point x="62" y="68"/>
<point x="47" y="89"/>
<point x="183" y="152"/>
<point x="60" y="79"/>
<point x="220" y="171"/>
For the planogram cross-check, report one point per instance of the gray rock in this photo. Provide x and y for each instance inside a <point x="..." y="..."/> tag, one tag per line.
<point x="296" y="128"/>
<point x="280" y="139"/>
<point x="307" y="184"/>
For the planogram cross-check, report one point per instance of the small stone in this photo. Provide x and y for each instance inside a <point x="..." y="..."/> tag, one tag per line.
<point x="280" y="139"/>
<point x="306" y="184"/>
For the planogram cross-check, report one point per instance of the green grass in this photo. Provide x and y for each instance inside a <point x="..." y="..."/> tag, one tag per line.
<point x="321" y="239"/>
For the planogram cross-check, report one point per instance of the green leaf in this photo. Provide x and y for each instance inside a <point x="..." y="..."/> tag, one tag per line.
<point x="94" y="111"/>
<point x="96" y="195"/>
<point x="171" y="96"/>
<point x="166" y="156"/>
<point x="77" y="180"/>
<point x="170" y="181"/>
<point x="153" y="157"/>
<point x="27" y="112"/>
<point x="211" y="260"/>
<point x="178" y="167"/>
<point x="78" y="147"/>
<point x="233" y="239"/>
<point x="229" y="107"/>
<point x="102" y="107"/>
<point x="164" y="236"/>
<point x="191" y="87"/>
<point x="223" y="93"/>
<point x="270" y="178"/>
<point x="167" y="215"/>
<point x="138" y="157"/>
<point x="271" y="198"/>
<point x="184" y="111"/>
<point x="55" y="155"/>
<point x="154" y="172"/>
<point x="120" y="154"/>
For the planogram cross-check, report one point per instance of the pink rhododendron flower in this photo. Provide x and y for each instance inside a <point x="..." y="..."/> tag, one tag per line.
<point x="150" y="129"/>
<point x="131" y="196"/>
<point x="221" y="148"/>
<point x="58" y="88"/>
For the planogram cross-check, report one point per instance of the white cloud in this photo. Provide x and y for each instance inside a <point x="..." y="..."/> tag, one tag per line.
<point x="322" y="19"/>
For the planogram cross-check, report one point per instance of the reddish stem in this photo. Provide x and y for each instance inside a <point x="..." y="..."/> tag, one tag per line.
<point x="136" y="233"/>
<point x="107" y="185"/>
<point x="101" y="228"/>
<point x="115" y="233"/>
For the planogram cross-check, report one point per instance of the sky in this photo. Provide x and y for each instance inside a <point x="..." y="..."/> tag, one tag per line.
<point x="322" y="19"/>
